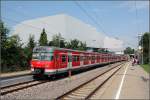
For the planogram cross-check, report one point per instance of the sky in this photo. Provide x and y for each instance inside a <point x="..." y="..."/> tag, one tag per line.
<point x="123" y="20"/>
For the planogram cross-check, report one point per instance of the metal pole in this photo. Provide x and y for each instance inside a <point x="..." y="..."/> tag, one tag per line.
<point x="142" y="48"/>
<point x="140" y="38"/>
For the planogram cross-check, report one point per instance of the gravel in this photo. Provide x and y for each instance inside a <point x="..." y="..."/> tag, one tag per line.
<point x="53" y="89"/>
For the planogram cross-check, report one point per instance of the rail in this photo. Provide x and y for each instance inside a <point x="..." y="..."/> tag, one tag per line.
<point x="82" y="87"/>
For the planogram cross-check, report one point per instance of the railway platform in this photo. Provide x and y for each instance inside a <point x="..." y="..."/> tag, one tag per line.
<point x="131" y="82"/>
<point x="14" y="74"/>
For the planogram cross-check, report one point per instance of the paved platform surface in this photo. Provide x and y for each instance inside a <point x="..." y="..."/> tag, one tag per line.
<point x="3" y="75"/>
<point x="131" y="82"/>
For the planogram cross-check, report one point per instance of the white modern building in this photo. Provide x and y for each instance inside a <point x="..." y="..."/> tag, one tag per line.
<point x="68" y="26"/>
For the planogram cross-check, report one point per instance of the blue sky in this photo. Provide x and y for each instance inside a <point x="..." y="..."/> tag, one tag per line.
<point x="115" y="18"/>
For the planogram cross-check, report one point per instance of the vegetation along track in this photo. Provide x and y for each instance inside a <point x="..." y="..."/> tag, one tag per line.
<point x="88" y="89"/>
<point x="20" y="86"/>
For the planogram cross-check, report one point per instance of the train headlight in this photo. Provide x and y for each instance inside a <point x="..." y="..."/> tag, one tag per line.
<point x="32" y="69"/>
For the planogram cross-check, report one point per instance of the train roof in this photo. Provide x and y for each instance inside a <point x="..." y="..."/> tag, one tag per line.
<point x="57" y="48"/>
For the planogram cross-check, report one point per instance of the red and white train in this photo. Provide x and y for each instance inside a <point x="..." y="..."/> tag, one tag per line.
<point x="51" y="60"/>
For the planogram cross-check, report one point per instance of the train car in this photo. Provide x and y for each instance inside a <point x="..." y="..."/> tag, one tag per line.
<point x="48" y="60"/>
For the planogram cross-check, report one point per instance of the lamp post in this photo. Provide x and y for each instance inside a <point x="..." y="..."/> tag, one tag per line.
<point x="140" y="47"/>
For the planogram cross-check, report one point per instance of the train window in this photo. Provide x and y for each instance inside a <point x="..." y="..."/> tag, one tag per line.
<point x="78" y="58"/>
<point x="42" y="56"/>
<point x="35" y="56"/>
<point x="46" y="56"/>
<point x="63" y="58"/>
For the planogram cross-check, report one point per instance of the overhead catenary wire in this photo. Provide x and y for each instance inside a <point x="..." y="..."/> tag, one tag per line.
<point x="140" y="36"/>
<point x="136" y="17"/>
<point x="91" y="18"/>
<point x="80" y="8"/>
<point x="95" y="15"/>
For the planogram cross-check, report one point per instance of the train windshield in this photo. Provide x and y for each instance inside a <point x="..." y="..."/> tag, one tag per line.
<point x="42" y="56"/>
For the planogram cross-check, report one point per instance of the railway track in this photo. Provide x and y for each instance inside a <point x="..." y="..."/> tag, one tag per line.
<point x="20" y="86"/>
<point x="88" y="89"/>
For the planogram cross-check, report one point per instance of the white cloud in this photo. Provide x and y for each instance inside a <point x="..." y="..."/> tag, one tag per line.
<point x="113" y="44"/>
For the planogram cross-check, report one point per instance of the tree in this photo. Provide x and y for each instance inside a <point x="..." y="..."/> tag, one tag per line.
<point x="57" y="41"/>
<point x="82" y="46"/>
<point x="68" y="45"/>
<point x="50" y="43"/>
<point x="103" y="50"/>
<point x="3" y="32"/>
<point x="12" y="55"/>
<point x="31" y="42"/>
<point x="28" y="50"/>
<point x="43" y="38"/>
<point x="74" y="43"/>
<point x="14" y="58"/>
<point x="145" y="43"/>
<point x="128" y="50"/>
<point x="4" y="35"/>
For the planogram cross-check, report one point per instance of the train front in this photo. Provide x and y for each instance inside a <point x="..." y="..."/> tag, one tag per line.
<point x="42" y="61"/>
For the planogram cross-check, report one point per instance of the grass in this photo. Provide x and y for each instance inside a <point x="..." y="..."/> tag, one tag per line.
<point x="146" y="67"/>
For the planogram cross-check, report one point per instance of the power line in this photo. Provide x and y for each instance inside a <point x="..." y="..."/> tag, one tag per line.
<point x="89" y="16"/>
<point x="96" y="16"/>
<point x="136" y="17"/>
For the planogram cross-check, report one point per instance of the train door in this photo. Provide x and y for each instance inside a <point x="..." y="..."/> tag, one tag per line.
<point x="69" y="65"/>
<point x="57" y="61"/>
<point x="64" y="62"/>
<point x="89" y="59"/>
<point x="81" y="60"/>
